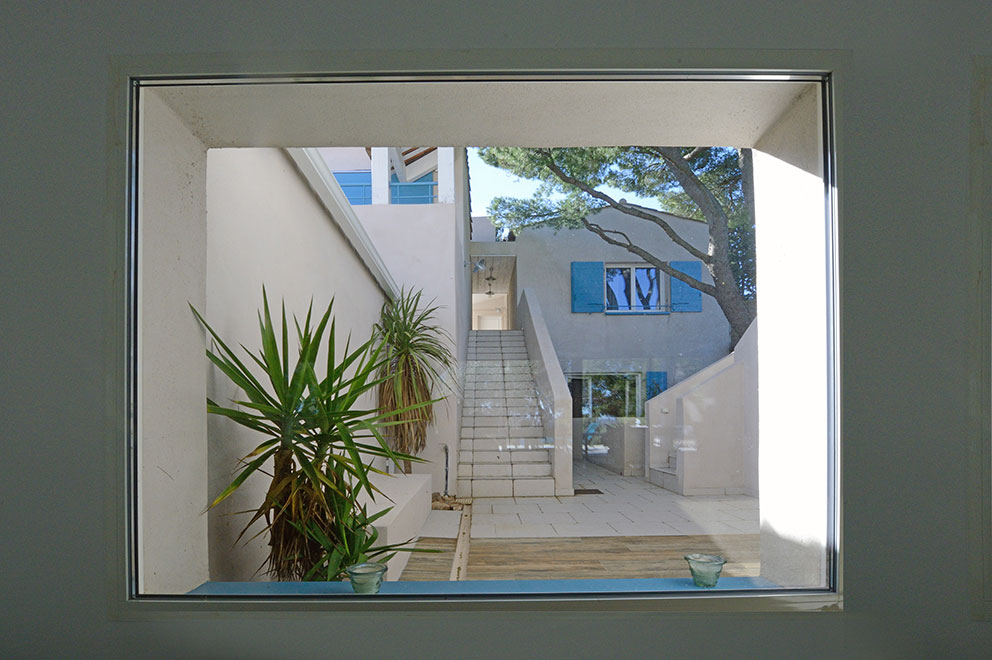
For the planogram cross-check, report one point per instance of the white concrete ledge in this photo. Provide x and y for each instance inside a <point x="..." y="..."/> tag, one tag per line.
<point x="410" y="497"/>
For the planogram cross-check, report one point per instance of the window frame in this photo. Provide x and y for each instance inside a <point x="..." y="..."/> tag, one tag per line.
<point x="829" y="599"/>
<point x="664" y="289"/>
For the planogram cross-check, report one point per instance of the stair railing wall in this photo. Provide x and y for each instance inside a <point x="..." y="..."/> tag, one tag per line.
<point x="554" y="399"/>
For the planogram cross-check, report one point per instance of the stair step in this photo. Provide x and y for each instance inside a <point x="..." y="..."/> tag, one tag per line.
<point x="505" y="470"/>
<point x="504" y="487"/>
<point x="511" y="455"/>
<point x="503" y="451"/>
<point x="504" y="444"/>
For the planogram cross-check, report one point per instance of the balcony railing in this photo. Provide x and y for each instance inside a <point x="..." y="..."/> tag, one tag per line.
<point x="409" y="192"/>
<point x="412" y="192"/>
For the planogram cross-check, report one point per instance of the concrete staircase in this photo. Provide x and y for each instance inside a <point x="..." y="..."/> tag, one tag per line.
<point x="503" y="452"/>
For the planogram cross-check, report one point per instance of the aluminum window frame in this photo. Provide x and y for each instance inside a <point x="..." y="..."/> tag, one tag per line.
<point x="664" y="289"/>
<point x="126" y="603"/>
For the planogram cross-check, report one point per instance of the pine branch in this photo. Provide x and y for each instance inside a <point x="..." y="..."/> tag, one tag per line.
<point x="629" y="245"/>
<point x="623" y="207"/>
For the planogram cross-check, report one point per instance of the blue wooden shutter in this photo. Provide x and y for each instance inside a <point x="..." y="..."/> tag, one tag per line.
<point x="684" y="297"/>
<point x="656" y="382"/>
<point x="587" y="287"/>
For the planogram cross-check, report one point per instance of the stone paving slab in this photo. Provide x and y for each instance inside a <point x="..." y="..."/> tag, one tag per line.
<point x="629" y="506"/>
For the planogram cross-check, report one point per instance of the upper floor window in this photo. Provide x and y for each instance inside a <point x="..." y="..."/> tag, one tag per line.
<point x="633" y="288"/>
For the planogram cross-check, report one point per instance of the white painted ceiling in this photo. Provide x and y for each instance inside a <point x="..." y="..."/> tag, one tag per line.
<point x="508" y="113"/>
<point x="499" y="268"/>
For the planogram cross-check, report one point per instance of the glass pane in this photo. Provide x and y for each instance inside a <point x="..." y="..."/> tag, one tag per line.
<point x="647" y="293"/>
<point x="611" y="395"/>
<point x="617" y="289"/>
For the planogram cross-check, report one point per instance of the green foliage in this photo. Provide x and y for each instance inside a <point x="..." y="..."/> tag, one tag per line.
<point x="640" y="171"/>
<point x="416" y="356"/>
<point x="317" y="436"/>
<point x="352" y="541"/>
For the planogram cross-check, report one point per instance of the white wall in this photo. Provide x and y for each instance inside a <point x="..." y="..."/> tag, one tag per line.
<point x="624" y="440"/>
<point x="462" y="269"/>
<point x="711" y="421"/>
<point x="344" y="159"/>
<point x="903" y="86"/>
<point x="172" y="451"/>
<point x="490" y="307"/>
<point x="678" y="343"/>
<point x="553" y="397"/>
<point x="746" y="359"/>
<point x="266" y="227"/>
<point x="793" y="383"/>
<point x="420" y="244"/>
<point x="483" y="230"/>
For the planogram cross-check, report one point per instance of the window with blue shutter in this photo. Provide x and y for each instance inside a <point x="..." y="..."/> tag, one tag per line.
<point x="684" y="298"/>
<point x="655" y="383"/>
<point x="587" y="287"/>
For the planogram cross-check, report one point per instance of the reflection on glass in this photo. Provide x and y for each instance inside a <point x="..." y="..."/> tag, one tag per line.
<point x="609" y="395"/>
<point x="617" y="288"/>
<point x="648" y="294"/>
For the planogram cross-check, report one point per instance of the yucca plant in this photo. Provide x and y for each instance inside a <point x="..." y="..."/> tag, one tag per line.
<point x="319" y="440"/>
<point x="416" y="359"/>
<point x="352" y="540"/>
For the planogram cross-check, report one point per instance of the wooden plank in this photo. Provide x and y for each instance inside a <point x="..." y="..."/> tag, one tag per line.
<point x="607" y="557"/>
<point x="424" y="567"/>
<point x="582" y="557"/>
<point x="459" y="567"/>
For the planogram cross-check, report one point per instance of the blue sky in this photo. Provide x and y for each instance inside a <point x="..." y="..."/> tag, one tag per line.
<point x="487" y="182"/>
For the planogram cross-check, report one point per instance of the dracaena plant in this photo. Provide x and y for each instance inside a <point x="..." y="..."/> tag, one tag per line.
<point x="417" y="356"/>
<point x="318" y="436"/>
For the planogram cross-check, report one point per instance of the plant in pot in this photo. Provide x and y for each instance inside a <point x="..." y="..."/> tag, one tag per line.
<point x="417" y="356"/>
<point x="318" y="437"/>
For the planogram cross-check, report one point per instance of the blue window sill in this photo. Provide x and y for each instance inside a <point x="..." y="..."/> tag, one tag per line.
<point x="483" y="587"/>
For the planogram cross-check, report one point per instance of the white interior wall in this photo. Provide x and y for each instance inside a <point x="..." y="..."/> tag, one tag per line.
<point x="266" y="227"/>
<point x="494" y="306"/>
<point x="903" y="159"/>
<point x="172" y="452"/>
<point x="793" y="381"/>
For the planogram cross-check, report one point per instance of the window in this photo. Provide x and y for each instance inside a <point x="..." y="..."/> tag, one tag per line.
<point x="611" y="395"/>
<point x="170" y="541"/>
<point x="634" y="289"/>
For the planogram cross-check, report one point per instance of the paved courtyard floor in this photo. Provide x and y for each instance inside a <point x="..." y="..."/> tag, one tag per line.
<point x="630" y="529"/>
<point x="625" y="506"/>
